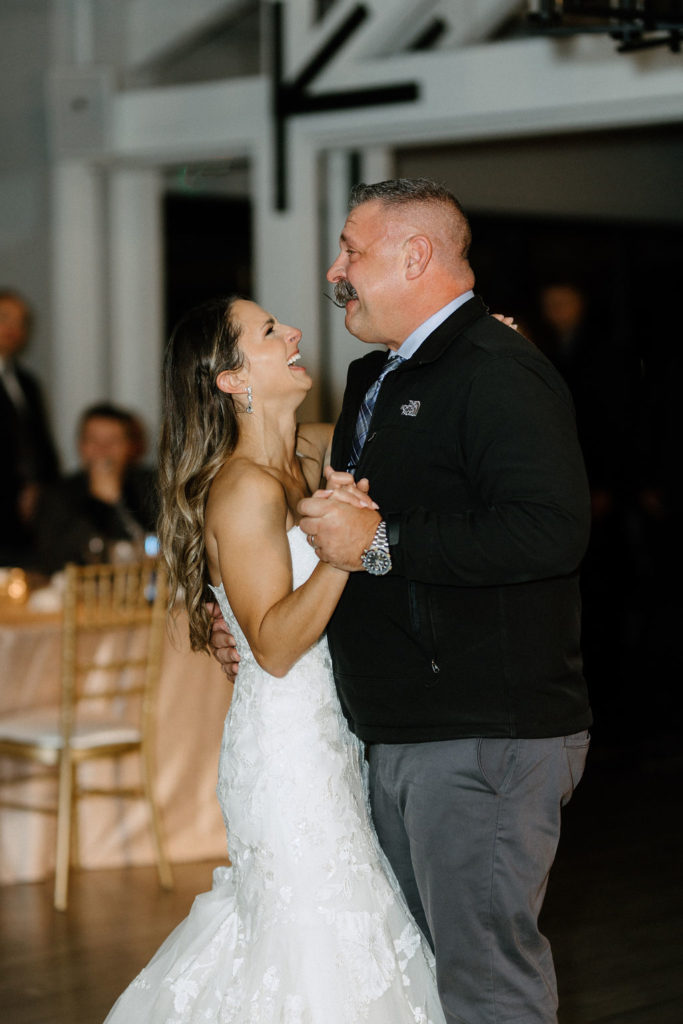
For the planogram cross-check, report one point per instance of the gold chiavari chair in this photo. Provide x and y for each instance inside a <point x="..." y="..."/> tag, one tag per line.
<point x="112" y="635"/>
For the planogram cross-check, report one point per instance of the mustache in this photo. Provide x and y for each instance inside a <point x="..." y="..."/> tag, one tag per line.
<point x="343" y="293"/>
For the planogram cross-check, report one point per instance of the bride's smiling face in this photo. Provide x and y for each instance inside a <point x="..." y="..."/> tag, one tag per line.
<point x="270" y="351"/>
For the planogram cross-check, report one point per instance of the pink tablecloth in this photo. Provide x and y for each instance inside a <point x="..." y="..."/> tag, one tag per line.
<point x="193" y="701"/>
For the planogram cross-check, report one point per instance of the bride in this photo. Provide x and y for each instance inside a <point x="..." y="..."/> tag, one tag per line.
<point x="308" y="925"/>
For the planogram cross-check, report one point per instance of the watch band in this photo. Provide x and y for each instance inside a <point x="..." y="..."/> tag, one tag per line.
<point x="376" y="559"/>
<point x="380" y="541"/>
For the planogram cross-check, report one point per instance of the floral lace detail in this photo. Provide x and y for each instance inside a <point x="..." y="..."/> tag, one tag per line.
<point x="308" y="925"/>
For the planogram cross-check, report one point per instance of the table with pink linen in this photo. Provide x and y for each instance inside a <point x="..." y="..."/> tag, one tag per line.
<point x="193" y="699"/>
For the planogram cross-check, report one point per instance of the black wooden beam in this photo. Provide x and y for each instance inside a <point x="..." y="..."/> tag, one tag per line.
<point x="290" y="99"/>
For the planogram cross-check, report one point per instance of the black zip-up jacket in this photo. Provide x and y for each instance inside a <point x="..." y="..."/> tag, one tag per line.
<point x="473" y="458"/>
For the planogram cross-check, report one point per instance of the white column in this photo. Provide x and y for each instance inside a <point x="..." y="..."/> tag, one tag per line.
<point x="78" y="336"/>
<point x="136" y="329"/>
<point x="377" y="163"/>
<point x="288" y="274"/>
<point x="340" y="346"/>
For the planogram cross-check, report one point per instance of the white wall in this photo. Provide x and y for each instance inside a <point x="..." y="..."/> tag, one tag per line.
<point x="24" y="198"/>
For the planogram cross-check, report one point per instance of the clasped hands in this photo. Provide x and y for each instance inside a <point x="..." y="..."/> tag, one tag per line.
<point x="340" y="522"/>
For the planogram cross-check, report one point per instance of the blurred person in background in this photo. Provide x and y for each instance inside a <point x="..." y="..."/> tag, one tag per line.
<point x="603" y="376"/>
<point x="28" y="459"/>
<point x="104" y="510"/>
<point x="579" y="342"/>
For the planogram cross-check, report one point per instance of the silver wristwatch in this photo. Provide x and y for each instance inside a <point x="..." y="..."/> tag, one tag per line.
<point x="376" y="559"/>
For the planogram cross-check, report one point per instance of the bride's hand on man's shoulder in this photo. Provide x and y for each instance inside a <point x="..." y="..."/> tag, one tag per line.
<point x="509" y="321"/>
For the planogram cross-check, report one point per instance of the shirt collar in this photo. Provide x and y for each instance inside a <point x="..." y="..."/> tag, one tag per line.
<point x="414" y="340"/>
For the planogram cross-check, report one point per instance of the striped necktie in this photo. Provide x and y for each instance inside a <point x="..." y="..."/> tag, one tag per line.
<point x="366" y="408"/>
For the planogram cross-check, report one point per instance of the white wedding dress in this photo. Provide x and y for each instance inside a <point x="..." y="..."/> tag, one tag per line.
<point x="308" y="925"/>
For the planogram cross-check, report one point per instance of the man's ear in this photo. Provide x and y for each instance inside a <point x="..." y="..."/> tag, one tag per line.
<point x="419" y="253"/>
<point x="231" y="383"/>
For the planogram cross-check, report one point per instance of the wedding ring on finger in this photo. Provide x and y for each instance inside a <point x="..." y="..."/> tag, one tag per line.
<point x="311" y="539"/>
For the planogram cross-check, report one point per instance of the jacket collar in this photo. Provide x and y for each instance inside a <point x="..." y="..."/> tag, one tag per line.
<point x="368" y="366"/>
<point x="439" y="340"/>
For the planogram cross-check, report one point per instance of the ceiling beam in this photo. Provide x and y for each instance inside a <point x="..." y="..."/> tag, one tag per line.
<point x="153" y="30"/>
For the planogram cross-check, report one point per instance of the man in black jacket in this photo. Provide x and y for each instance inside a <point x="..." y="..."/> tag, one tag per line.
<point x="456" y="642"/>
<point x="28" y="459"/>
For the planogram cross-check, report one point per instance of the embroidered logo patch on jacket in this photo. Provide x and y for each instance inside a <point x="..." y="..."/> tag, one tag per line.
<point x="410" y="408"/>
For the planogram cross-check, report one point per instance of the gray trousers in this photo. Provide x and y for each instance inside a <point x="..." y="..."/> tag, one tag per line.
<point x="471" y="826"/>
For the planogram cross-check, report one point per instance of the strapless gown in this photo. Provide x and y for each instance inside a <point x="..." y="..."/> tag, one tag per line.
<point x="308" y="925"/>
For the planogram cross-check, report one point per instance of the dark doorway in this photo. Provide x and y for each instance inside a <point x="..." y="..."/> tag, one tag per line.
<point x="208" y="250"/>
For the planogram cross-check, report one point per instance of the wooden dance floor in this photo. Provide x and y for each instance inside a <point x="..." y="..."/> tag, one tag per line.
<point x="614" y="913"/>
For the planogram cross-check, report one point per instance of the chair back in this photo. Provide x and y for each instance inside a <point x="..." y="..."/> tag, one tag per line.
<point x="114" y="618"/>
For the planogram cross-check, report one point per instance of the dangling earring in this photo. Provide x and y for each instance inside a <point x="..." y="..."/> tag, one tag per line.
<point x="250" y="407"/>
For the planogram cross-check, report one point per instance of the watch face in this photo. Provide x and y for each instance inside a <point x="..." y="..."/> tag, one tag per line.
<point x="376" y="562"/>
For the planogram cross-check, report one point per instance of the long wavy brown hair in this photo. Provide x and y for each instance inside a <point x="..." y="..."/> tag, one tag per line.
<point x="200" y="430"/>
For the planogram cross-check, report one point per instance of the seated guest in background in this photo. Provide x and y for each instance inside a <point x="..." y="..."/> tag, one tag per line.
<point x="109" y="500"/>
<point x="27" y="454"/>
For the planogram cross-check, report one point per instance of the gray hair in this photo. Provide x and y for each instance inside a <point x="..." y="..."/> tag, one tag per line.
<point x="402" y="191"/>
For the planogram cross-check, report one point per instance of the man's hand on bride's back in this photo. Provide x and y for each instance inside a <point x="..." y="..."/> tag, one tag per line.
<point x="222" y="642"/>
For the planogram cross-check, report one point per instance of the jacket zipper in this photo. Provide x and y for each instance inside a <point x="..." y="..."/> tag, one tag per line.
<point x="415" y="621"/>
